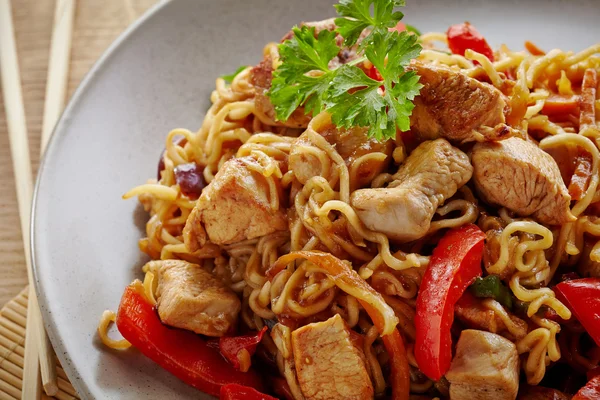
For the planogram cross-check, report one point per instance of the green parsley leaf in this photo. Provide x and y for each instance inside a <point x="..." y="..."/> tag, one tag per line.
<point x="412" y="29"/>
<point x="356" y="100"/>
<point x="303" y="77"/>
<point x="229" y="78"/>
<point x="356" y="17"/>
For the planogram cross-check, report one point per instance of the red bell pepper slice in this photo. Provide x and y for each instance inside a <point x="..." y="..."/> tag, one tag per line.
<point x="233" y="391"/>
<point x="592" y="373"/>
<point x="453" y="266"/>
<point x="462" y="37"/>
<point x="373" y="73"/>
<point x="182" y="353"/>
<point x="591" y="391"/>
<point x="232" y="346"/>
<point x="582" y="296"/>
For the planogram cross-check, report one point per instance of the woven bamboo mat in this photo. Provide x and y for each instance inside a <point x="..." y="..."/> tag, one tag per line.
<point x="13" y="320"/>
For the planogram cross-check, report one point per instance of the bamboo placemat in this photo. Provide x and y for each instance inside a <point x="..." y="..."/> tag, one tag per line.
<point x="13" y="322"/>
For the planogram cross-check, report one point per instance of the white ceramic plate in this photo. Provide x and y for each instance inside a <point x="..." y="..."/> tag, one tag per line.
<point x="159" y="76"/>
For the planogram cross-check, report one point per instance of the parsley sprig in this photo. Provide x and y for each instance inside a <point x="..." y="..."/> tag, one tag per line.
<point x="229" y="78"/>
<point x="304" y="77"/>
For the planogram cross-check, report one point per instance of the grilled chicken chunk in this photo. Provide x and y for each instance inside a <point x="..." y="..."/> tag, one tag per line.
<point x="350" y="144"/>
<point x="432" y="173"/>
<point x="328" y="363"/>
<point x="453" y="106"/>
<point x="518" y="175"/>
<point x="261" y="76"/>
<point x="485" y="367"/>
<point x="235" y="206"/>
<point x="193" y="299"/>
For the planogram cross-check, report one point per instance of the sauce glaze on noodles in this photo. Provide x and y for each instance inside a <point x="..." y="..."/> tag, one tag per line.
<point x="320" y="210"/>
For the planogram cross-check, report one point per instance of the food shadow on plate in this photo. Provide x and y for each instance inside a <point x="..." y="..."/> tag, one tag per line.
<point x="140" y="217"/>
<point x="139" y="371"/>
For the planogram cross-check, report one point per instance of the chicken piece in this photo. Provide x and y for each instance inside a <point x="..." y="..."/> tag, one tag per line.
<point x="456" y="107"/>
<point x="351" y="144"/>
<point x="262" y="75"/>
<point x="432" y="173"/>
<point x="328" y="363"/>
<point x="193" y="299"/>
<point x="520" y="176"/>
<point x="485" y="367"/>
<point x="471" y="312"/>
<point x="540" y="393"/>
<point x="194" y="235"/>
<point x="235" y="206"/>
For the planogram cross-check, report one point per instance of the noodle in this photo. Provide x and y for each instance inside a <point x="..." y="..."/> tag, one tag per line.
<point x="276" y="275"/>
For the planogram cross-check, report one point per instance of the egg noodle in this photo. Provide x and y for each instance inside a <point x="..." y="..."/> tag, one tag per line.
<point x="528" y="254"/>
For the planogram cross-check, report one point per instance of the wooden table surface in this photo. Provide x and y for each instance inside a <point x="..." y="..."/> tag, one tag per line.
<point x="97" y="23"/>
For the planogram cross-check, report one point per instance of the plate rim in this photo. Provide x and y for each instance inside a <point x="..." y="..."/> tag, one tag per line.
<point x="50" y="326"/>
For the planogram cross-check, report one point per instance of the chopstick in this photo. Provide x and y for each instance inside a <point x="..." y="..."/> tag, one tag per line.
<point x="56" y="87"/>
<point x="58" y="68"/>
<point x="37" y="347"/>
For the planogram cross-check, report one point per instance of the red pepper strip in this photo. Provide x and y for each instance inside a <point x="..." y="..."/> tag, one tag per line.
<point x="182" y="353"/>
<point x="232" y="346"/>
<point x="453" y="266"/>
<point x="591" y="391"/>
<point x="582" y="296"/>
<point x="592" y="373"/>
<point x="462" y="37"/>
<point x="233" y="391"/>
<point x="581" y="177"/>
<point x="380" y="312"/>
<point x="373" y="73"/>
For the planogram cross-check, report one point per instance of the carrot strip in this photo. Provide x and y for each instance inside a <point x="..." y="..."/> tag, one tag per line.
<point x="533" y="49"/>
<point x="581" y="177"/>
<point x="588" y="99"/>
<point x="559" y="104"/>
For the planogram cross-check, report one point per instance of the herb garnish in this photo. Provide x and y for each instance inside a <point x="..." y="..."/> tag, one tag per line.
<point x="229" y="78"/>
<point x="304" y="77"/>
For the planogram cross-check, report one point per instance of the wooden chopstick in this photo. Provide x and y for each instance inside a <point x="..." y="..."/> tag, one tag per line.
<point x="56" y="88"/>
<point x="37" y="347"/>
<point x="58" y="68"/>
